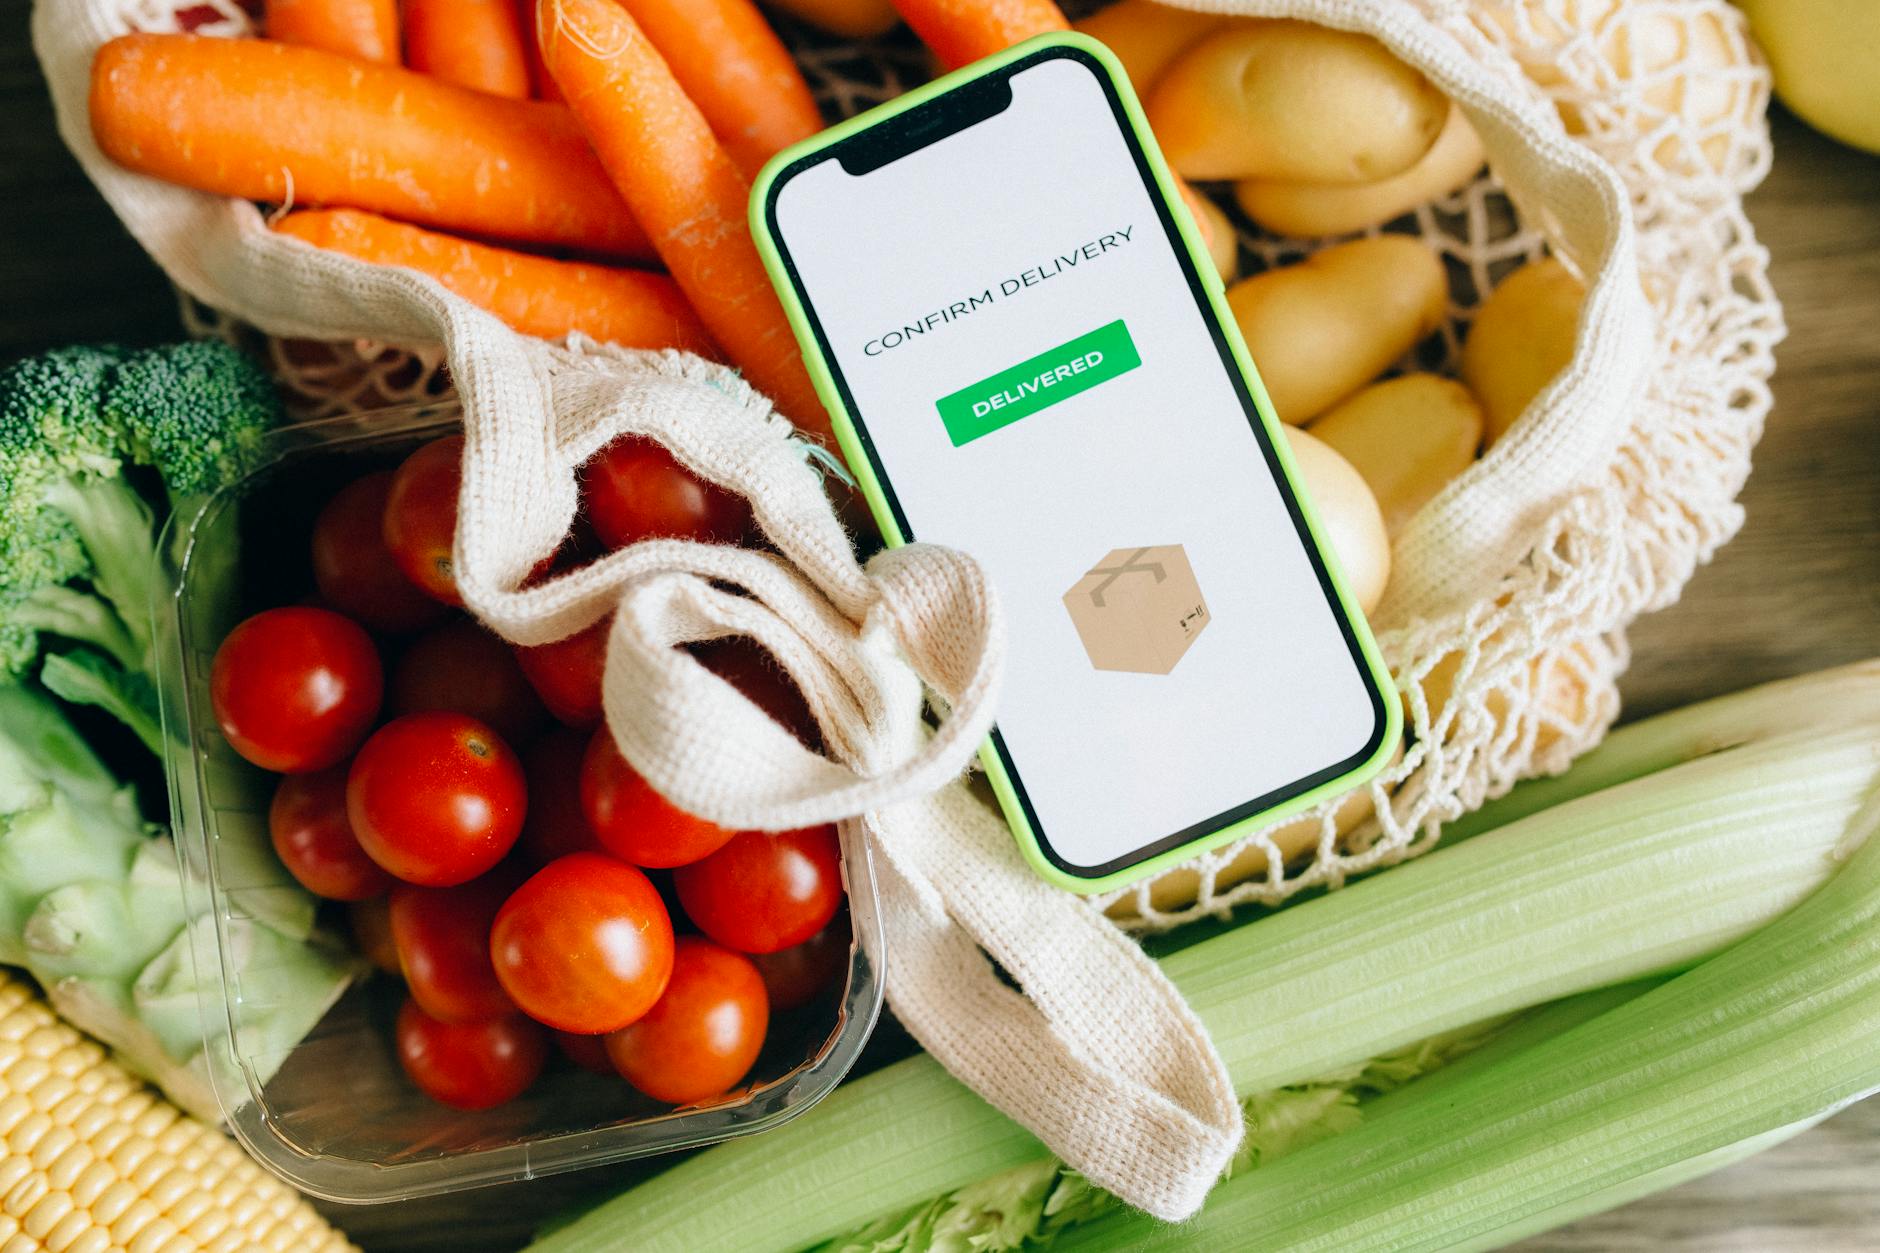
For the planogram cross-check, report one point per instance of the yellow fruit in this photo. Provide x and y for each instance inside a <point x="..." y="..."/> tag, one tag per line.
<point x="1308" y="210"/>
<point x="1826" y="58"/>
<point x="1321" y="329"/>
<point x="1521" y="338"/>
<point x="1146" y="36"/>
<point x="1349" y="515"/>
<point x="1292" y="100"/>
<point x="1408" y="437"/>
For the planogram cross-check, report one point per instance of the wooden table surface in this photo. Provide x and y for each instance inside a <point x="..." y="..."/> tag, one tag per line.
<point x="1797" y="590"/>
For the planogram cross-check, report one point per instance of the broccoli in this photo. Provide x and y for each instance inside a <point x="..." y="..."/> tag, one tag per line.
<point x="97" y="446"/>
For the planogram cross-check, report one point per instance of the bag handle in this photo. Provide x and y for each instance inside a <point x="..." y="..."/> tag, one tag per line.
<point x="1141" y="1102"/>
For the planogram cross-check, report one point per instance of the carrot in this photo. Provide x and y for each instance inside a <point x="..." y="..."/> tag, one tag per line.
<point x="959" y="31"/>
<point x="736" y="70"/>
<point x="541" y="83"/>
<point x="536" y="295"/>
<point x="268" y="121"/>
<point x="473" y="43"/>
<point x="682" y="187"/>
<point x="857" y="19"/>
<point x="367" y="29"/>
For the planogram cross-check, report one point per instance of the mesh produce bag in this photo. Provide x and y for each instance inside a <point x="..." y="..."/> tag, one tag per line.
<point x="1503" y="623"/>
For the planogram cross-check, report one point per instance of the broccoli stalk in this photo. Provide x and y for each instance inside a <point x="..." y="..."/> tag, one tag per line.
<point x="118" y="533"/>
<point x="92" y="906"/>
<point x="79" y="429"/>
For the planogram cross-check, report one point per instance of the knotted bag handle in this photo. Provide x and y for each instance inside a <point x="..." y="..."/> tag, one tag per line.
<point x="1098" y="1055"/>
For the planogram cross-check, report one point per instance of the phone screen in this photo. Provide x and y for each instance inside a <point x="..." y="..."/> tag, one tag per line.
<point x="1027" y="355"/>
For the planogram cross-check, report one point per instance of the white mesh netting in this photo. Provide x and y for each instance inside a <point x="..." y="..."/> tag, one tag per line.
<point x="1522" y="679"/>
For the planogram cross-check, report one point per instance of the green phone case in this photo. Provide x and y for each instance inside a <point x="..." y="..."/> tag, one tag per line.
<point x="859" y="462"/>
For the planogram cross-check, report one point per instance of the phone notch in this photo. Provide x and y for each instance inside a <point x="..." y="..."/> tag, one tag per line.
<point x="925" y="125"/>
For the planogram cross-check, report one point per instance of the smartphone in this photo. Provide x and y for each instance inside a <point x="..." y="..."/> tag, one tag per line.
<point x="1028" y="357"/>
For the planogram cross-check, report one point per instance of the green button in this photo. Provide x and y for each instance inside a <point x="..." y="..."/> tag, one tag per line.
<point x="1038" y="383"/>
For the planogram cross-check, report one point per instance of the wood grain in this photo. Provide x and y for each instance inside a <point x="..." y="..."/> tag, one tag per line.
<point x="1798" y="589"/>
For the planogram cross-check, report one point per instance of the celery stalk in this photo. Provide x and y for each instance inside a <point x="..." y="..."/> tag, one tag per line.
<point x="1824" y="701"/>
<point x="1763" y="1037"/>
<point x="1637" y="879"/>
<point x="1645" y="1185"/>
<point x="1647" y="876"/>
<point x="1029" y="1206"/>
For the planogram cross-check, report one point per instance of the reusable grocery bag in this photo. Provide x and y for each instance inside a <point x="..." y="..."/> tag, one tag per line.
<point x="1503" y="623"/>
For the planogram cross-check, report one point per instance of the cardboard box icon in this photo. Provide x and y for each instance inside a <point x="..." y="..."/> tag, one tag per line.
<point x="1138" y="609"/>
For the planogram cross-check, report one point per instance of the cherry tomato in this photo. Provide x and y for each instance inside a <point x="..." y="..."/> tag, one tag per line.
<point x="556" y="824"/>
<point x="589" y="1052"/>
<point x="749" y="667"/>
<point x="462" y="667"/>
<point x="793" y="976"/>
<point x="632" y="821"/>
<point x="443" y="941"/>
<point x="353" y="568"/>
<point x="315" y="841"/>
<point x="634" y="490"/>
<point x="585" y="945"/>
<point x="567" y="673"/>
<point x="372" y="933"/>
<point x="421" y="517"/>
<point x="764" y="892"/>
<point x="471" y="1065"/>
<point x="436" y="798"/>
<point x="703" y="1034"/>
<point x="296" y="689"/>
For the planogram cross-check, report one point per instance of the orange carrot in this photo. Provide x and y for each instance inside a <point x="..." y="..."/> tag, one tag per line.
<point x="682" y="187"/>
<point x="367" y="29"/>
<point x="268" y="121"/>
<point x="959" y="31"/>
<point x="473" y="43"/>
<point x="536" y="295"/>
<point x="736" y="70"/>
<point x="541" y="83"/>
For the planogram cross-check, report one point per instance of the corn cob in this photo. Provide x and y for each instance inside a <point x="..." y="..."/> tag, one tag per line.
<point x="92" y="1160"/>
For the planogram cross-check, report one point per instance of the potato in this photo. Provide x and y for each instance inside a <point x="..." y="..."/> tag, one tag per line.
<point x="1408" y="437"/>
<point x="1551" y="684"/>
<point x="1307" y="210"/>
<point x="1146" y="36"/>
<point x="1522" y="337"/>
<point x="1346" y="509"/>
<point x="1178" y="888"/>
<point x="1323" y="328"/>
<point x="1646" y="44"/>
<point x="1292" y="100"/>
<point x="857" y="19"/>
<point x="1216" y="232"/>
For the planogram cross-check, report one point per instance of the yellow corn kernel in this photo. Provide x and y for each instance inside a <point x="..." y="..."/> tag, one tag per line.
<point x="94" y="1161"/>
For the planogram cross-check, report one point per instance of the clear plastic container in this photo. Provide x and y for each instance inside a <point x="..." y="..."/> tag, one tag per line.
<point x="335" y="1115"/>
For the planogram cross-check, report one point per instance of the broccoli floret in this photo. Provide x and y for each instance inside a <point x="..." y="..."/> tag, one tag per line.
<point x="51" y="428"/>
<point x="196" y="412"/>
<point x="78" y="560"/>
<point x="52" y="416"/>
